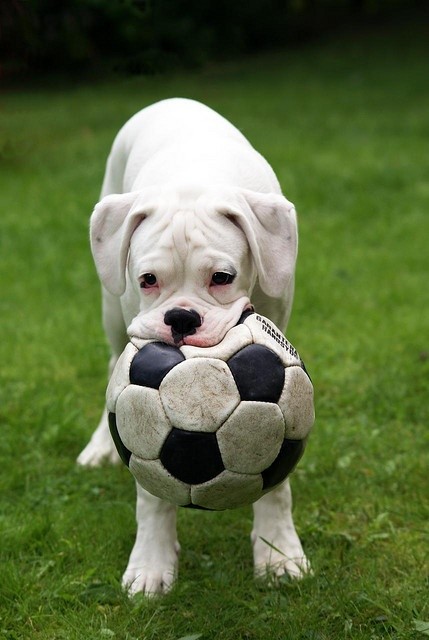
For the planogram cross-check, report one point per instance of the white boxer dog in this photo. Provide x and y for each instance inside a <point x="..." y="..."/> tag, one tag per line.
<point x="191" y="230"/>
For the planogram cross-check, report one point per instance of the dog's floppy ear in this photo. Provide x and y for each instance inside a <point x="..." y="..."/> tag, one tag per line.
<point x="268" y="221"/>
<point x="113" y="222"/>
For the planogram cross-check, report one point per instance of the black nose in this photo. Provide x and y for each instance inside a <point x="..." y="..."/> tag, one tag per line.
<point x="182" y="322"/>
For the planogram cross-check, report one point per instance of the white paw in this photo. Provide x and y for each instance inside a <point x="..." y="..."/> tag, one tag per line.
<point x="275" y="558"/>
<point x="150" y="575"/>
<point x="98" y="451"/>
<point x="100" y="448"/>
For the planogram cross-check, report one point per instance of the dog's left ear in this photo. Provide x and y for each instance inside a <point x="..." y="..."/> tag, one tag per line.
<point x="268" y="221"/>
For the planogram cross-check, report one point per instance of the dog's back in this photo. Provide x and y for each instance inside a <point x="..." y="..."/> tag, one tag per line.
<point x="178" y="141"/>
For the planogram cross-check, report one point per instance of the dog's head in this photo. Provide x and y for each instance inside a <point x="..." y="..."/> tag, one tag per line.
<point x="191" y="257"/>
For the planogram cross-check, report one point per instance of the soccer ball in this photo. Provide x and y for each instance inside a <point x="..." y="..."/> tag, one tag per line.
<point x="214" y="427"/>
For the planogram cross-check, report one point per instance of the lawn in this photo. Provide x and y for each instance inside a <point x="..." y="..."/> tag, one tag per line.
<point x="345" y="124"/>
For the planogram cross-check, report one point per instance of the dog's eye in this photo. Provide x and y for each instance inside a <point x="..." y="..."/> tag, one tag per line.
<point x="148" y="280"/>
<point x="221" y="278"/>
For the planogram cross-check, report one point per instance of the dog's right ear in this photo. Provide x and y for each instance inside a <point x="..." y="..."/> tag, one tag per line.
<point x="113" y="222"/>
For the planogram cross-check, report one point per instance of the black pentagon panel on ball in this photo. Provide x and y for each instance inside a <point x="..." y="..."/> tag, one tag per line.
<point x="258" y="373"/>
<point x="152" y="363"/>
<point x="192" y="456"/>
<point x="124" y="453"/>
<point x="287" y="458"/>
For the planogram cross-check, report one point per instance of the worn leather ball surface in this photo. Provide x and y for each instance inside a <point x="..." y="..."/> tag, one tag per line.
<point x="214" y="427"/>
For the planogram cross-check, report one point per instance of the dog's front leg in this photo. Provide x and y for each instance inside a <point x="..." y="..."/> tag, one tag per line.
<point x="152" y="567"/>
<point x="276" y="546"/>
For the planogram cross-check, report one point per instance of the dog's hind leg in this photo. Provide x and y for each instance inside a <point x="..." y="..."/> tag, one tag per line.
<point x="101" y="447"/>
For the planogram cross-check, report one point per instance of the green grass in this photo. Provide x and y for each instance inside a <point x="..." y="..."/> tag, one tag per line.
<point x="345" y="124"/>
